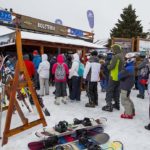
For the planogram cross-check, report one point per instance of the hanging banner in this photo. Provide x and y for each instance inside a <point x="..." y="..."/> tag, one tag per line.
<point x="90" y="16"/>
<point x="58" y="21"/>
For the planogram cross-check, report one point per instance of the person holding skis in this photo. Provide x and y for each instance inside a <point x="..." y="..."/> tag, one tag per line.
<point x="126" y="78"/>
<point x="60" y="71"/>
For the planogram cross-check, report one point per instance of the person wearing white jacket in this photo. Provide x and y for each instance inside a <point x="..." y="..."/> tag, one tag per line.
<point x="91" y="75"/>
<point x="75" y="79"/>
<point x="44" y="70"/>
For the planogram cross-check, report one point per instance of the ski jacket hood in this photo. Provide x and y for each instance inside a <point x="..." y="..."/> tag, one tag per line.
<point x="76" y="57"/>
<point x="116" y="49"/>
<point x="60" y="59"/>
<point x="44" y="57"/>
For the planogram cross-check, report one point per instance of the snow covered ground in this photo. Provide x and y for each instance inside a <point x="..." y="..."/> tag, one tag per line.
<point x="130" y="132"/>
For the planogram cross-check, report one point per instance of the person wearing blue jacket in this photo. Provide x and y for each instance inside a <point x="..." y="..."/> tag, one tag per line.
<point x="36" y="61"/>
<point x="126" y="77"/>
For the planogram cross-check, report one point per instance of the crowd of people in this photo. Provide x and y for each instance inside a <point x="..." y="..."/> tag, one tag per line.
<point x="117" y="73"/>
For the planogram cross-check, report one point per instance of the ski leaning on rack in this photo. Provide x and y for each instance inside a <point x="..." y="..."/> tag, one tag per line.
<point x="2" y="87"/>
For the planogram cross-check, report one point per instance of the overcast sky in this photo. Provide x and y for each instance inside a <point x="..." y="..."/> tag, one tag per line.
<point x="73" y="12"/>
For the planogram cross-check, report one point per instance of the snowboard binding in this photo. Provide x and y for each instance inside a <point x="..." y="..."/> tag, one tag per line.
<point x="85" y="122"/>
<point x="50" y="142"/>
<point x="61" y="127"/>
<point x="89" y="144"/>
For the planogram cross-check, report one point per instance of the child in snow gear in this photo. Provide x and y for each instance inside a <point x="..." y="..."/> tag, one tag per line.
<point x="126" y="77"/>
<point x="113" y="91"/>
<point x="60" y="71"/>
<point x="91" y="75"/>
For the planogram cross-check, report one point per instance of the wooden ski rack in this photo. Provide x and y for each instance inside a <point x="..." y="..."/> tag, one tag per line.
<point x="13" y="104"/>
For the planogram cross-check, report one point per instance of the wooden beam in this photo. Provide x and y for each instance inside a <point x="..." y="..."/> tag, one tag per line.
<point x="23" y="127"/>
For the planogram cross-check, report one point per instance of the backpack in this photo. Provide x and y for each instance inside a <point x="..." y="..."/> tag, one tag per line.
<point x="60" y="73"/>
<point x="144" y="72"/>
<point x="81" y="70"/>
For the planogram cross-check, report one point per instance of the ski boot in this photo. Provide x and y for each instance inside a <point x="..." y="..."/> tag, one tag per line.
<point x="108" y="108"/>
<point x="133" y="112"/>
<point x="92" y="105"/>
<point x="126" y="116"/>
<point x="57" y="101"/>
<point x="140" y="96"/>
<point x="46" y="112"/>
<point x="116" y="106"/>
<point x="64" y="100"/>
<point x="147" y="127"/>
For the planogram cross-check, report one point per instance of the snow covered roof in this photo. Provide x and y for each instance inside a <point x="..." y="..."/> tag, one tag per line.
<point x="51" y="38"/>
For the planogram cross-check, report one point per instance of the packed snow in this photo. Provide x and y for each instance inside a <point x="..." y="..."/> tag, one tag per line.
<point x="130" y="132"/>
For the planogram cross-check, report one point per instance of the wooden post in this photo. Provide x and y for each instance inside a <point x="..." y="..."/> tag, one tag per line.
<point x="137" y="43"/>
<point x="133" y="43"/>
<point x="20" y="69"/>
<point x="42" y="49"/>
<point x="112" y="40"/>
<point x="84" y="55"/>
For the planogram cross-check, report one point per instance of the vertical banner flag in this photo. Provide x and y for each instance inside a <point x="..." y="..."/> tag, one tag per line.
<point x="58" y="21"/>
<point x="90" y="16"/>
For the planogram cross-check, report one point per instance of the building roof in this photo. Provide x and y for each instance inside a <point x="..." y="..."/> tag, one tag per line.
<point x="50" y="38"/>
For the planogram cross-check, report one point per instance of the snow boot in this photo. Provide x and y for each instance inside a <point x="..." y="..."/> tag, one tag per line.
<point x="96" y="102"/>
<point x="133" y="112"/>
<point x="147" y="127"/>
<point x="107" y="108"/>
<point x="46" y="112"/>
<point x="126" y="116"/>
<point x="116" y="105"/>
<point x="140" y="96"/>
<point x="57" y="101"/>
<point x="64" y="100"/>
<point x="92" y="105"/>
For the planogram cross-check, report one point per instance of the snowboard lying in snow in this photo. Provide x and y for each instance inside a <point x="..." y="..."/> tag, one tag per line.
<point x="83" y="134"/>
<point x="55" y="142"/>
<point x="71" y="128"/>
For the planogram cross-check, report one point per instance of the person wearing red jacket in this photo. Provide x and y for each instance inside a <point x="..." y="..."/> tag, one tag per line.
<point x="29" y="65"/>
<point x="60" y="71"/>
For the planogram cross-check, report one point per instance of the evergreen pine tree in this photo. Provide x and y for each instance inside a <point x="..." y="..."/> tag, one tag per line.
<point x="128" y="26"/>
